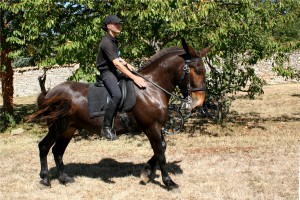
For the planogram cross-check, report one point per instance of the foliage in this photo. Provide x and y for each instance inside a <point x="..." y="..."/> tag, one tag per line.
<point x="228" y="79"/>
<point x="6" y="120"/>
<point x="241" y="32"/>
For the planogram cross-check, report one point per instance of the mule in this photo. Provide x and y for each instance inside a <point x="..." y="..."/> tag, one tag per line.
<point x="65" y="109"/>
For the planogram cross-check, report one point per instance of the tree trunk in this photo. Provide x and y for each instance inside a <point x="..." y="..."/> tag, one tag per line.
<point x="6" y="75"/>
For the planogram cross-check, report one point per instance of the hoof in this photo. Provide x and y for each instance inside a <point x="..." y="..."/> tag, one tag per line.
<point x="171" y="185"/>
<point x="65" y="179"/>
<point x="145" y="176"/>
<point x="175" y="190"/>
<point x="45" y="182"/>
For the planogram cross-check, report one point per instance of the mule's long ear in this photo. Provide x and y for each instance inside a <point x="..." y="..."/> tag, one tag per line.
<point x="185" y="47"/>
<point x="204" y="52"/>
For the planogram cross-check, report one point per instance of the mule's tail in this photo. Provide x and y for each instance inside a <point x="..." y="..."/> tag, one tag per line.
<point x="42" y="80"/>
<point x="53" y="108"/>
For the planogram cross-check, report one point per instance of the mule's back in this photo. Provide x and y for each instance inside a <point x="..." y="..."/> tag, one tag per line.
<point x="69" y="88"/>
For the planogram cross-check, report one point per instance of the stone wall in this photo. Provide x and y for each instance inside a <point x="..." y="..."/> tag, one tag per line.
<point x="26" y="79"/>
<point x="264" y="70"/>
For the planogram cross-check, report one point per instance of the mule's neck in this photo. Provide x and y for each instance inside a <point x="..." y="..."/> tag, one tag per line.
<point x="165" y="72"/>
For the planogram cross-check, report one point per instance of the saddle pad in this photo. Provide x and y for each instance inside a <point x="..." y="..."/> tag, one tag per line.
<point x="97" y="100"/>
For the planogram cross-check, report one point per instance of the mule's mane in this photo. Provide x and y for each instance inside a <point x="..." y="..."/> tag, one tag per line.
<point x="162" y="53"/>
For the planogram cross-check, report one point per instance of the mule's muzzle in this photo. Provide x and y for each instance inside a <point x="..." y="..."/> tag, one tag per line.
<point x="198" y="99"/>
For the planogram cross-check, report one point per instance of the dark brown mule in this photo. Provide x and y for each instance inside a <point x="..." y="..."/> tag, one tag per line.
<point x="65" y="109"/>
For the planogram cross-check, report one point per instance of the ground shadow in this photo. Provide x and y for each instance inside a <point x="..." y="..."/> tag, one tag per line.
<point x="242" y="119"/>
<point x="200" y="124"/>
<point x="22" y="111"/>
<point x="296" y="95"/>
<point x="107" y="169"/>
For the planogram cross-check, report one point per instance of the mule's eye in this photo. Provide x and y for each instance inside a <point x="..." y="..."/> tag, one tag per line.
<point x="198" y="70"/>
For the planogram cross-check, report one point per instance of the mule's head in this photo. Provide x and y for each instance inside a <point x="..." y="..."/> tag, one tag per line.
<point x="193" y="60"/>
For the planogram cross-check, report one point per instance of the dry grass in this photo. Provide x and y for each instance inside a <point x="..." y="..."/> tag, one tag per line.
<point x="256" y="156"/>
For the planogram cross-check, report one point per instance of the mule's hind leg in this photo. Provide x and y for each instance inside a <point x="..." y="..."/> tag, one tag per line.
<point x="44" y="147"/>
<point x="58" y="151"/>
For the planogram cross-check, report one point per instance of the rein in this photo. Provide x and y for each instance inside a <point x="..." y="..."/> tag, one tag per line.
<point x="156" y="85"/>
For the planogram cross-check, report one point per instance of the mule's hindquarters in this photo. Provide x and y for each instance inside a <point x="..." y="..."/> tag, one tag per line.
<point x="59" y="135"/>
<point x="57" y="111"/>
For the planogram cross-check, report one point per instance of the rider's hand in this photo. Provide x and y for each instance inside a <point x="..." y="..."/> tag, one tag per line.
<point x="140" y="82"/>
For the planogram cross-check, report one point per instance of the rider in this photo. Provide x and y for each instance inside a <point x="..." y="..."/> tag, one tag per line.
<point x="108" y="62"/>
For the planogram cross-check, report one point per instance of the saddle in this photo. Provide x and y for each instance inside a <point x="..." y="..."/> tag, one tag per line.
<point x="98" y="97"/>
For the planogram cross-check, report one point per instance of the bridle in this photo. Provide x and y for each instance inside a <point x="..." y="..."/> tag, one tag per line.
<point x="186" y="72"/>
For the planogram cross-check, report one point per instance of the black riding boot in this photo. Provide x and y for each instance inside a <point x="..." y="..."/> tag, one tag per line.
<point x="107" y="122"/>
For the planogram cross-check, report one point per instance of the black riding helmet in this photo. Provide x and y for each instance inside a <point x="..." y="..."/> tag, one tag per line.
<point x="111" y="19"/>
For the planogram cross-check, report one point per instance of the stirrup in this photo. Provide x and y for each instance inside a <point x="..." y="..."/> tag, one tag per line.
<point x="108" y="134"/>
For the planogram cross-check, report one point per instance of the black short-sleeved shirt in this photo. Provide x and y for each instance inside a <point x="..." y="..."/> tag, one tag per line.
<point x="107" y="52"/>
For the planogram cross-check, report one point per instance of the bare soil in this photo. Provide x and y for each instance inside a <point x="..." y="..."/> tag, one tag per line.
<point x="256" y="156"/>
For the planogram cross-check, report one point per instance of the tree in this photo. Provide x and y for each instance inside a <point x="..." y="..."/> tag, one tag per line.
<point x="241" y="32"/>
<point x="9" y="45"/>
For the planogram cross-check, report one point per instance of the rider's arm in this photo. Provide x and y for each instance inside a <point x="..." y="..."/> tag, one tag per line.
<point x="126" y="64"/>
<point x="121" y="66"/>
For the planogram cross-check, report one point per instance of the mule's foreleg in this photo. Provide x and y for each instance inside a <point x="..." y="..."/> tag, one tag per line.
<point x="158" y="144"/>
<point x="148" y="173"/>
<point x="58" y="151"/>
<point x="149" y="170"/>
<point x="169" y="183"/>
<point x="161" y="159"/>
